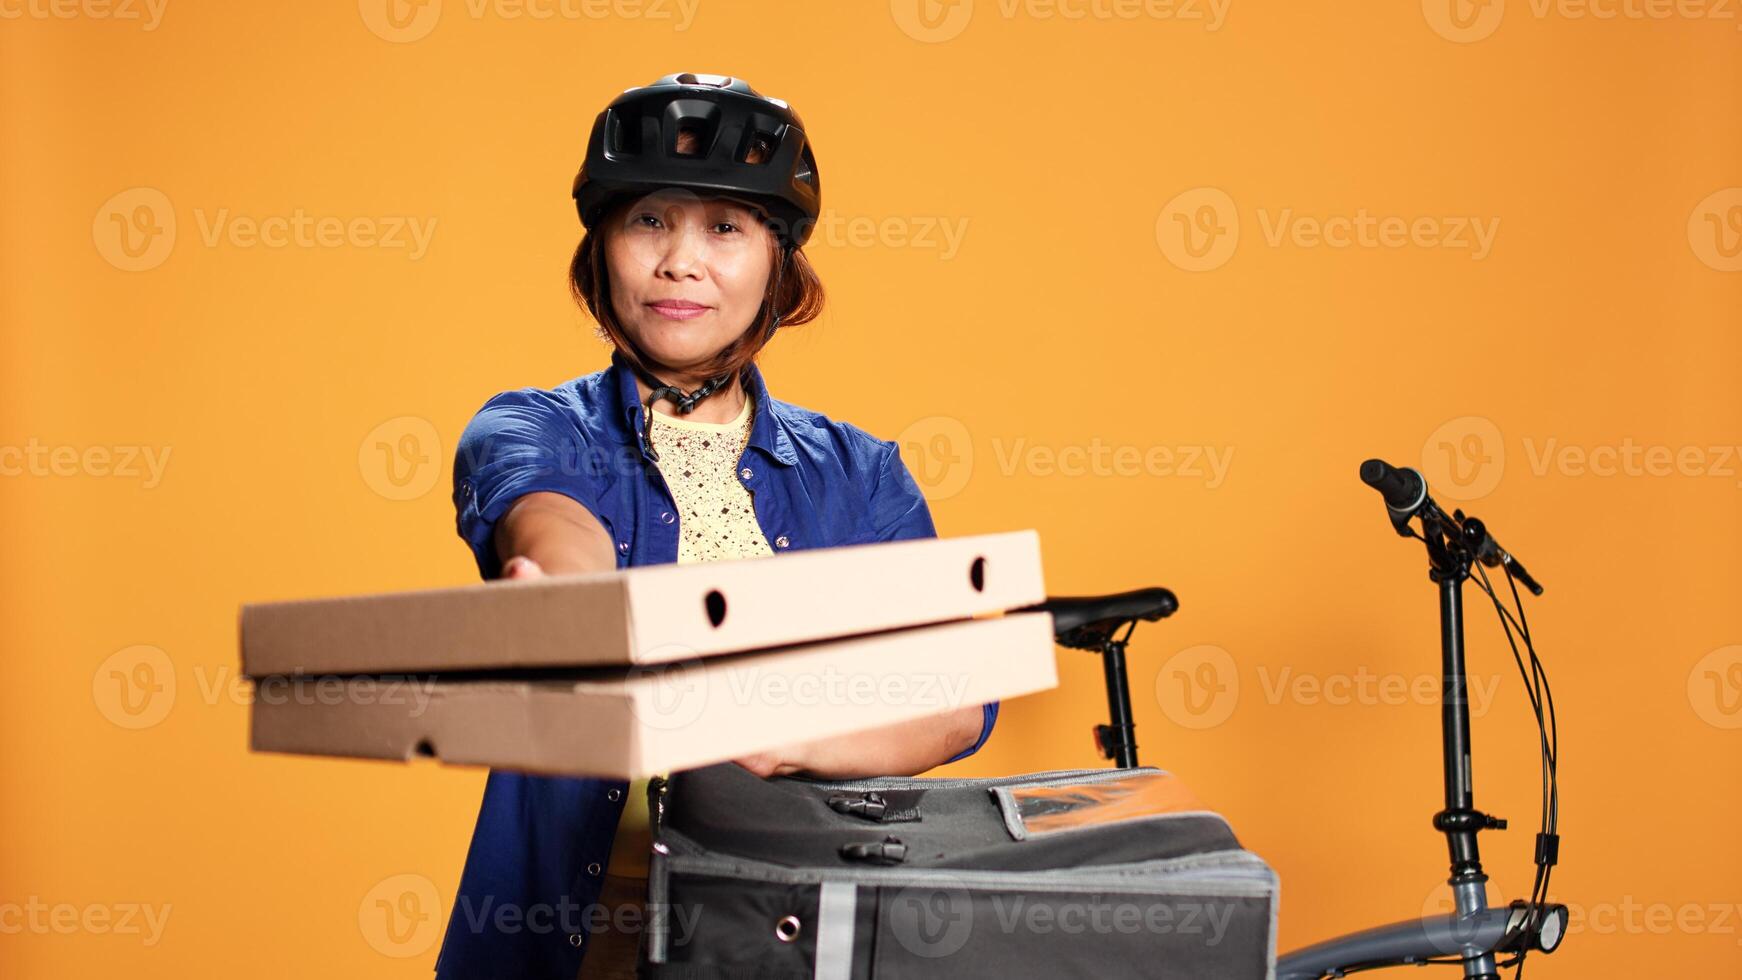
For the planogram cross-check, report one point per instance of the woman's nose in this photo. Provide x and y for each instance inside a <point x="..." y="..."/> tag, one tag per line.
<point x="685" y="252"/>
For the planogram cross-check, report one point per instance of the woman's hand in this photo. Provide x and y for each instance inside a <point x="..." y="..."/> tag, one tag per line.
<point x="775" y="763"/>
<point x="521" y="566"/>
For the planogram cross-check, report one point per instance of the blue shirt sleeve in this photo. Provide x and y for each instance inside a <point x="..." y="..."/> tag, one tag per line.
<point x="899" y="511"/>
<point x="520" y="442"/>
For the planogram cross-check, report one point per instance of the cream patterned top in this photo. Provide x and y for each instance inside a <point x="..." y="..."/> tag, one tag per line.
<point x="699" y="461"/>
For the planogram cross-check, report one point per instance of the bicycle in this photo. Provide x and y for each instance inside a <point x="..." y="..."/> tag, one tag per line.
<point x="1475" y="935"/>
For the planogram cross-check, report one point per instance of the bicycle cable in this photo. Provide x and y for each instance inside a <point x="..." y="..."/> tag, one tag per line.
<point x="1537" y="688"/>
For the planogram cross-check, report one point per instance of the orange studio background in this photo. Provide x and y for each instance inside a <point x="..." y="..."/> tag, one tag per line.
<point x="1152" y="278"/>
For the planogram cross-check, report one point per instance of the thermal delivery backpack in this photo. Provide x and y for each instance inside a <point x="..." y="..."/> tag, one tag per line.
<point x="1098" y="873"/>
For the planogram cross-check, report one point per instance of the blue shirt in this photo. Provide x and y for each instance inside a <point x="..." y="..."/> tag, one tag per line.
<point x="541" y="844"/>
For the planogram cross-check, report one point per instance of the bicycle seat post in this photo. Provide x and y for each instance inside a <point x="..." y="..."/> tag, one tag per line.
<point x="1090" y="623"/>
<point x="1118" y="741"/>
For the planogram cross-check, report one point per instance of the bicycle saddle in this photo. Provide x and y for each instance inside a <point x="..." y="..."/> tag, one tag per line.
<point x="1086" y="622"/>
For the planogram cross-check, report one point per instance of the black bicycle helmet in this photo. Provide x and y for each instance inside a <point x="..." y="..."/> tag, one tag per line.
<point x="633" y="150"/>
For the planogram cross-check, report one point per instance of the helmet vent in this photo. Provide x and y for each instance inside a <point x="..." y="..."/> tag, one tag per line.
<point x="622" y="135"/>
<point x="691" y="78"/>
<point x="690" y="137"/>
<point x="760" y="148"/>
<point x="692" y="125"/>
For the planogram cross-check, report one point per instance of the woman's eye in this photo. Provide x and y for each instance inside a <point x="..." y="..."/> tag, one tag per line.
<point x="725" y="227"/>
<point x="647" y="220"/>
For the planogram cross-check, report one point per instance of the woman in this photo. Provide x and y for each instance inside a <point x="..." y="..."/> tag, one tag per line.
<point x="697" y="197"/>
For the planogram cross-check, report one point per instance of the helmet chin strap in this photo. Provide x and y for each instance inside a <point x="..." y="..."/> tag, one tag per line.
<point x="687" y="403"/>
<point x="684" y="403"/>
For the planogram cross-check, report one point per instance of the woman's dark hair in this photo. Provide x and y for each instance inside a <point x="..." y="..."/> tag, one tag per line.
<point x="800" y="298"/>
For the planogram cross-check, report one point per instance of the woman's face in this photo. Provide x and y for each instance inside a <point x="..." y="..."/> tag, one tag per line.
<point x="688" y="275"/>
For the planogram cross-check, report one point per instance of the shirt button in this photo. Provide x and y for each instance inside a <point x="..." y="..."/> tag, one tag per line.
<point x="623" y="547"/>
<point x="614" y="795"/>
<point x="781" y="541"/>
<point x="666" y="518"/>
<point x="576" y="939"/>
<point x="594" y="869"/>
<point x="745" y="473"/>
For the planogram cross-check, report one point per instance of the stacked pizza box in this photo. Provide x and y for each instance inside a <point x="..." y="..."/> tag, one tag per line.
<point x="647" y="670"/>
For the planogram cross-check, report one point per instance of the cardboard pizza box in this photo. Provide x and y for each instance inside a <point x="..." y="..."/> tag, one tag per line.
<point x="647" y="615"/>
<point x="635" y="722"/>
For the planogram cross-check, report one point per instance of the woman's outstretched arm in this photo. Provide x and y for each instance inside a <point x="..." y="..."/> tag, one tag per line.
<point x="555" y="533"/>
<point x="903" y="749"/>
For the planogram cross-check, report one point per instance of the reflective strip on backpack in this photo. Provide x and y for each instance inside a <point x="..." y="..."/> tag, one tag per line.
<point x="835" y="911"/>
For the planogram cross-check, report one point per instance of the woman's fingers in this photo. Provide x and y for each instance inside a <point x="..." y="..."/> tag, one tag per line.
<point x="764" y="764"/>
<point x="521" y="566"/>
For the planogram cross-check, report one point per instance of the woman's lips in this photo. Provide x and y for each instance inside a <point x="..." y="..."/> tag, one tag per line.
<point x="678" y="310"/>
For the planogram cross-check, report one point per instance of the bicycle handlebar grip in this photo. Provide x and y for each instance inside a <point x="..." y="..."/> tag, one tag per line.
<point x="1402" y="488"/>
